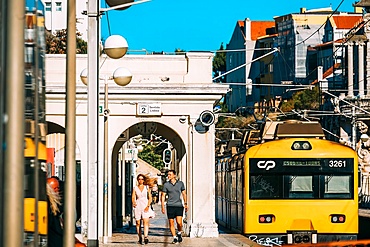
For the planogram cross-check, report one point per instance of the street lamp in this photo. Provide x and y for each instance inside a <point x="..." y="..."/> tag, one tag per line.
<point x="94" y="12"/>
<point x="121" y="77"/>
<point x="115" y="46"/>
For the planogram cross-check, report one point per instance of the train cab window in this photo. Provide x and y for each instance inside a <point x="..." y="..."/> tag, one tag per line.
<point x="300" y="187"/>
<point x="265" y="187"/>
<point x="337" y="187"/>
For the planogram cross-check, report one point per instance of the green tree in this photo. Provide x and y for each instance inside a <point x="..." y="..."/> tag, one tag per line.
<point x="219" y="64"/>
<point x="57" y="43"/>
<point x="150" y="156"/>
<point x="303" y="100"/>
<point x="179" y="51"/>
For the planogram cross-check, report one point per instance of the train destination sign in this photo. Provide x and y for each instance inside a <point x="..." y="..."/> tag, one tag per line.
<point x="301" y="164"/>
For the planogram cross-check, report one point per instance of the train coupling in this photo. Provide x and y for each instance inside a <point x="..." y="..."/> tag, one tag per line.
<point x="302" y="237"/>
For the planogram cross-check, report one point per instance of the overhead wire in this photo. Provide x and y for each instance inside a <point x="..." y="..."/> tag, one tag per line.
<point x="333" y="12"/>
<point x="346" y="39"/>
<point x="108" y="23"/>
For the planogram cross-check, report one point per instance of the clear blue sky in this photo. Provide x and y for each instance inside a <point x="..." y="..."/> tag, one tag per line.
<point x="197" y="25"/>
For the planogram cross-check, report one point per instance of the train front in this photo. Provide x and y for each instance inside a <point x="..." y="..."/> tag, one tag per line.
<point x="301" y="190"/>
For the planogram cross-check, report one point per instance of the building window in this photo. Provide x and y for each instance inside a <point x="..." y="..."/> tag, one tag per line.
<point x="270" y="68"/>
<point x="58" y="6"/>
<point x="48" y="6"/>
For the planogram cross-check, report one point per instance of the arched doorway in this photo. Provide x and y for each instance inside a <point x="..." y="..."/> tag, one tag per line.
<point x="126" y="165"/>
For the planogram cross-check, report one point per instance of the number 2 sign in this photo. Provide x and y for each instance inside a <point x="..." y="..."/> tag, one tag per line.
<point x="148" y="109"/>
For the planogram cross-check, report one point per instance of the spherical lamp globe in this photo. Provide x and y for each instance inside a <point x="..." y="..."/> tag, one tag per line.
<point x="122" y="76"/>
<point x="140" y="148"/>
<point x="83" y="76"/>
<point x="113" y="3"/>
<point x="115" y="46"/>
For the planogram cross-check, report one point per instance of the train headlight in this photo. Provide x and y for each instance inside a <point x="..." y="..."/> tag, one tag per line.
<point x="301" y="145"/>
<point x="337" y="218"/>
<point x="306" y="146"/>
<point x="266" y="218"/>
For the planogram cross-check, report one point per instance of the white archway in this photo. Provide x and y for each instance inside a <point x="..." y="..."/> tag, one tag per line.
<point x="174" y="104"/>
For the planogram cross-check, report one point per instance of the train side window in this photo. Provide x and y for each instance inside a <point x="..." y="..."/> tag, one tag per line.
<point x="233" y="191"/>
<point x="337" y="186"/>
<point x="265" y="187"/>
<point x="300" y="187"/>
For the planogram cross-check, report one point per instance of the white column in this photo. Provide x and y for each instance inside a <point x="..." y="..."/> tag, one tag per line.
<point x="92" y="119"/>
<point x="203" y="186"/>
<point x="367" y="33"/>
<point x="361" y="65"/>
<point x="350" y="70"/>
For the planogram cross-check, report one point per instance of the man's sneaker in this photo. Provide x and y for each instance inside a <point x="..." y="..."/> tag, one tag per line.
<point x="175" y="240"/>
<point x="179" y="237"/>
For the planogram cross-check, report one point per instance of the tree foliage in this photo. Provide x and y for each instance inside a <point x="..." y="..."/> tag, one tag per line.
<point x="150" y="156"/>
<point x="219" y="64"/>
<point x="57" y="43"/>
<point x="234" y="122"/>
<point x="179" y="51"/>
<point x="303" y="100"/>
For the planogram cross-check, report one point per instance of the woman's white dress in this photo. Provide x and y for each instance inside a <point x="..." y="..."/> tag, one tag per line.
<point x="142" y="203"/>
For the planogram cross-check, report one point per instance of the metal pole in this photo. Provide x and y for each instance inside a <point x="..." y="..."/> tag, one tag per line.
<point x="190" y="163"/>
<point x="37" y="79"/>
<point x="2" y="104"/>
<point x="14" y="124"/>
<point x="105" y="201"/>
<point x="93" y="123"/>
<point x="354" y="137"/>
<point x="70" y="125"/>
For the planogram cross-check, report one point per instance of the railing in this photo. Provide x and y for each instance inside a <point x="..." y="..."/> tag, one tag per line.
<point x="364" y="191"/>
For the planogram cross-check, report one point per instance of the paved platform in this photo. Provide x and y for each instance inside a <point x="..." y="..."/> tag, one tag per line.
<point x="160" y="235"/>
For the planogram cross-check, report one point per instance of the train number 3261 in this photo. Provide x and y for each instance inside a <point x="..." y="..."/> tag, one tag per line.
<point x="337" y="163"/>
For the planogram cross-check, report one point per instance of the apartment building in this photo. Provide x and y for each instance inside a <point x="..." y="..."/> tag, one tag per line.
<point x="293" y="35"/>
<point x="241" y="50"/>
<point x="56" y="16"/>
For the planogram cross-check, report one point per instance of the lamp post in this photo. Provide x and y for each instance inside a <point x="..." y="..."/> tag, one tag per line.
<point x="121" y="77"/>
<point x="93" y="12"/>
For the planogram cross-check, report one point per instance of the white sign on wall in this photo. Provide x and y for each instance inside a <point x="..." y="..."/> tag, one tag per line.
<point x="148" y="109"/>
<point x="131" y="154"/>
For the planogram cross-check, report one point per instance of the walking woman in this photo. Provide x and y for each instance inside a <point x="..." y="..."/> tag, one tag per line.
<point x="141" y="200"/>
<point x="55" y="229"/>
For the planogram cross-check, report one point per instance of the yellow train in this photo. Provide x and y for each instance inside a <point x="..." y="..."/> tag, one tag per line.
<point x="30" y="193"/>
<point x="296" y="188"/>
<point x="35" y="153"/>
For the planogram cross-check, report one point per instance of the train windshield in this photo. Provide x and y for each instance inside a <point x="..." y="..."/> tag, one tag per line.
<point x="286" y="186"/>
<point x="301" y="178"/>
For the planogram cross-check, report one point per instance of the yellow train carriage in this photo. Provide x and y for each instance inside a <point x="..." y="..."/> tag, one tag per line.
<point x="29" y="200"/>
<point x="300" y="190"/>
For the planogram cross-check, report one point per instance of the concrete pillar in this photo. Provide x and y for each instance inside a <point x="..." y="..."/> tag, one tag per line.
<point x="350" y="69"/>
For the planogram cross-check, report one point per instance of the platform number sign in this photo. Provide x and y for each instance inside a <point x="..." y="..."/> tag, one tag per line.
<point x="144" y="109"/>
<point x="149" y="109"/>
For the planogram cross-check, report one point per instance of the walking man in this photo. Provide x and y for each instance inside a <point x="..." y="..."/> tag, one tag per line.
<point x="174" y="188"/>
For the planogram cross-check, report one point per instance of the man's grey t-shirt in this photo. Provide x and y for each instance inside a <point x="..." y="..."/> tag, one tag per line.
<point x="174" y="192"/>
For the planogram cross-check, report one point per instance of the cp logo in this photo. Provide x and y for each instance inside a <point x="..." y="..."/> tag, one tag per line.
<point x="266" y="164"/>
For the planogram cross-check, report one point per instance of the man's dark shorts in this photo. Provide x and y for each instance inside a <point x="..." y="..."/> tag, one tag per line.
<point x="172" y="212"/>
